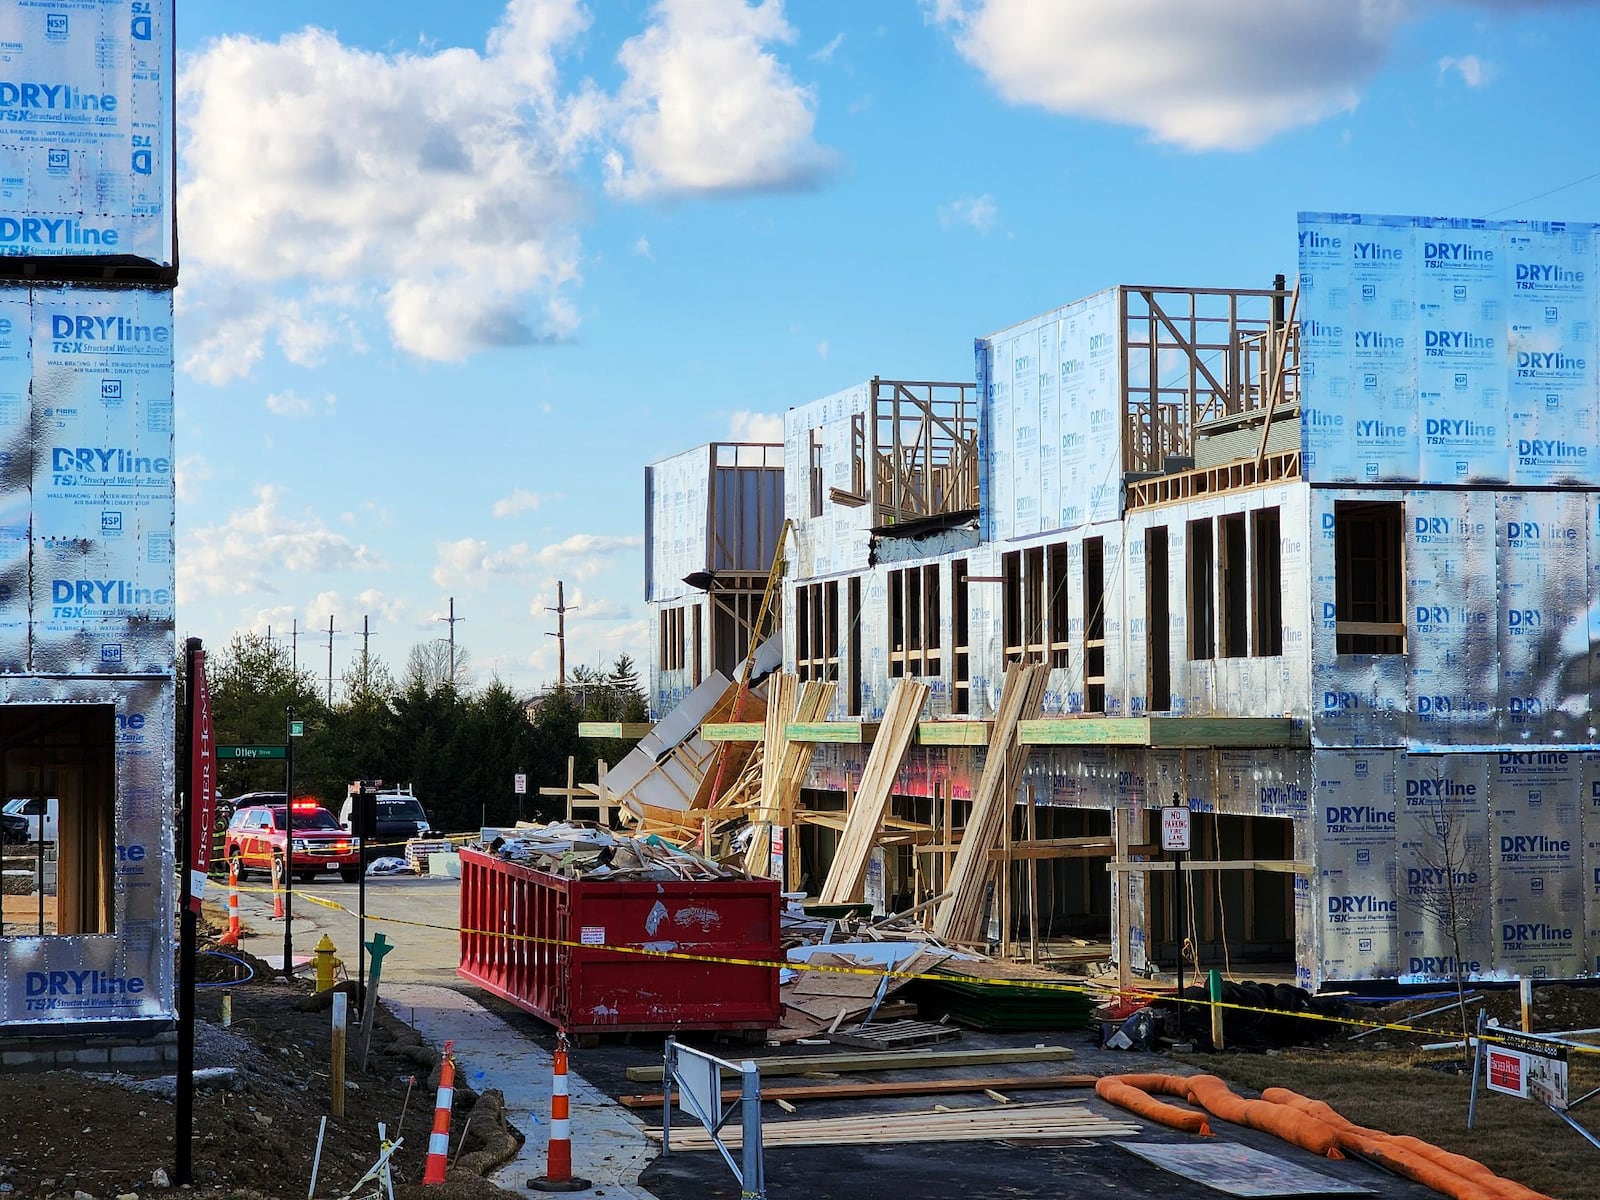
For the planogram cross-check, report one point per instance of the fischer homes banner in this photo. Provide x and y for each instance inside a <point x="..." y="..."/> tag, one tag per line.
<point x="202" y="778"/>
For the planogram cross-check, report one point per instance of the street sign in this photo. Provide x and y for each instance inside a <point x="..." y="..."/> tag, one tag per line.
<point x="521" y="782"/>
<point x="1175" y="829"/>
<point x="252" y="751"/>
<point x="296" y="729"/>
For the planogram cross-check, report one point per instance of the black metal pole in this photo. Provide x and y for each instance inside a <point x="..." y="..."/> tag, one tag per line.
<point x="361" y="905"/>
<point x="288" y="844"/>
<point x="1183" y="932"/>
<point x="183" y="1165"/>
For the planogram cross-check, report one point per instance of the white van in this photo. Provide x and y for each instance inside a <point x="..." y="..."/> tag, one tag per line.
<point x="36" y="810"/>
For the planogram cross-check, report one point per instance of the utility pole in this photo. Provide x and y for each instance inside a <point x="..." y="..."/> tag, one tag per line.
<point x="331" y="632"/>
<point x="561" y="610"/>
<point x="294" y="647"/>
<point x="451" y="621"/>
<point x="366" y="661"/>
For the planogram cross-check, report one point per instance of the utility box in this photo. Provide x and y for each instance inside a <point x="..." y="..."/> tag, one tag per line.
<point x="576" y="952"/>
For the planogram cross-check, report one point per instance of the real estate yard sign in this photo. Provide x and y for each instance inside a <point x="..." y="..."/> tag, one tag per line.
<point x="1531" y="1068"/>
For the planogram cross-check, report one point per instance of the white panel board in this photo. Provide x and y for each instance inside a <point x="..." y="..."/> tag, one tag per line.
<point x="1443" y="796"/>
<point x="1357" y="912"/>
<point x="85" y="128"/>
<point x="1451" y="615"/>
<point x="1536" y="862"/>
<point x="1543" y="631"/>
<point x="102" y="578"/>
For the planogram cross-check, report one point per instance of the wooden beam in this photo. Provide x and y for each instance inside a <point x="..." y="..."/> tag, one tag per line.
<point x="1161" y="732"/>
<point x="1277" y="866"/>
<point x="885" y="1060"/>
<point x="732" y="731"/>
<point x="892" y="1088"/>
<point x="614" y="729"/>
<point x="853" y="733"/>
<point x="954" y="733"/>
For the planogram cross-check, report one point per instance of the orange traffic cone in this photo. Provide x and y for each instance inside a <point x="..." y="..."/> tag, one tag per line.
<point x="231" y="938"/>
<point x="558" y="1176"/>
<point x="439" y="1140"/>
<point x="277" y="891"/>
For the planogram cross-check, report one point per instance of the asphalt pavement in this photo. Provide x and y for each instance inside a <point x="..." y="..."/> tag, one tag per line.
<point x="501" y="1046"/>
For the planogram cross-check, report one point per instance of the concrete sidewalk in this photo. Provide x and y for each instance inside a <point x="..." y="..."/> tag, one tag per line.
<point x="608" y="1142"/>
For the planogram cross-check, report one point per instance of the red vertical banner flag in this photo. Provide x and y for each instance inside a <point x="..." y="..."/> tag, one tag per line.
<point x="202" y="780"/>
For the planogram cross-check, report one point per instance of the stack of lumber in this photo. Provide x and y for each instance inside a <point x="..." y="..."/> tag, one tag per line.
<point x="996" y="1122"/>
<point x="1021" y="699"/>
<point x="987" y="995"/>
<point x="848" y="874"/>
<point x="783" y="762"/>
<point x="835" y="989"/>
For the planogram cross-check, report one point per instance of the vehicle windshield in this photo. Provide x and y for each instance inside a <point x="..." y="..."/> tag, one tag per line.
<point x="307" y="818"/>
<point x="400" y="810"/>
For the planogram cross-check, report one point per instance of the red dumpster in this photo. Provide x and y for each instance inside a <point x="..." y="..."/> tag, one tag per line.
<point x="557" y="947"/>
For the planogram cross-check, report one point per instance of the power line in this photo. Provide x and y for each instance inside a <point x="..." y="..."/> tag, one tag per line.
<point x="1542" y="195"/>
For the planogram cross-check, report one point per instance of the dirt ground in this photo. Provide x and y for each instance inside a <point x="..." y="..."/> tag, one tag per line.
<point x="106" y="1135"/>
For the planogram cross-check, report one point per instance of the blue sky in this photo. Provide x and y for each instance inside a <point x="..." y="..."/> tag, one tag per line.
<point x="454" y="274"/>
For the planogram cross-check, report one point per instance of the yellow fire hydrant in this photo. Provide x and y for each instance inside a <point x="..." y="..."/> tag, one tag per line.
<point x="326" y="964"/>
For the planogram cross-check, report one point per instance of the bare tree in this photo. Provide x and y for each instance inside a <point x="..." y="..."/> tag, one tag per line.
<point x="428" y="663"/>
<point x="1451" y="888"/>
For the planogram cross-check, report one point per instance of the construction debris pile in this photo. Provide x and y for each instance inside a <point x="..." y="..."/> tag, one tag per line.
<point x="578" y="850"/>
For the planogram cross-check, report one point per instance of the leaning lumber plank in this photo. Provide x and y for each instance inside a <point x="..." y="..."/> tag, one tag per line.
<point x="893" y="1088"/>
<point x="783" y="697"/>
<point x="848" y="874"/>
<point x="1021" y="698"/>
<point x="887" y="1060"/>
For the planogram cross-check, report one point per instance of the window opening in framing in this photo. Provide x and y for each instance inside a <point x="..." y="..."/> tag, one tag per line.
<point x="853" y="683"/>
<point x="62" y="757"/>
<point x="1059" y="633"/>
<point x="961" y="692"/>
<point x="1369" y="576"/>
<point x="1234" y="627"/>
<point x="817" y="630"/>
<point x="1202" y="592"/>
<point x="1268" y="575"/>
<point x="1011" y="605"/>
<point x="914" y="621"/>
<point x="1033" y="603"/>
<point x="816" y="472"/>
<point x="1158" y="621"/>
<point x="672" y="647"/>
<point x="1094" y="624"/>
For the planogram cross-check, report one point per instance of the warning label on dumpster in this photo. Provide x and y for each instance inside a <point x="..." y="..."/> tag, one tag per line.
<point x="592" y="935"/>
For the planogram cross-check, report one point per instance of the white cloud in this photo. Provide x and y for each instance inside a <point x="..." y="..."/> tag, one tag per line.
<point x="255" y="548"/>
<point x="192" y="470"/>
<point x="1474" y="72"/>
<point x="642" y="248"/>
<point x="980" y="212"/>
<point x="431" y="181"/>
<point x="593" y="608"/>
<point x="825" y="53"/>
<point x="746" y="426"/>
<point x="1201" y="74"/>
<point x="519" y="501"/>
<point x="822" y="353"/>
<point x="706" y="107"/>
<point x="472" y="563"/>
<point x="293" y="404"/>
<point x="583" y="554"/>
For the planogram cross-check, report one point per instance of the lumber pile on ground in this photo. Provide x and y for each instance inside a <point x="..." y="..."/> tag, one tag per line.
<point x="783" y="761"/>
<point x="1008" y="1122"/>
<point x="835" y="989"/>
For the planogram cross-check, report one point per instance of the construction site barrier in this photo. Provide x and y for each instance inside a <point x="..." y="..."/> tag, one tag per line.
<point x="533" y="945"/>
<point x="558" y="1176"/>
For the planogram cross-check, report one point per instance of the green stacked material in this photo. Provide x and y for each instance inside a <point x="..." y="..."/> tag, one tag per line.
<point x="1004" y="1004"/>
